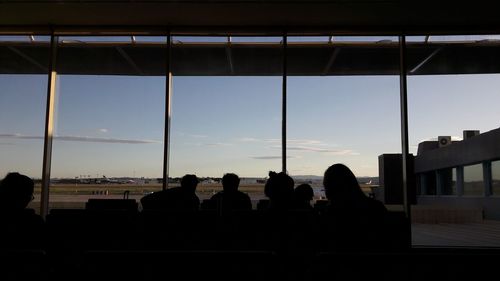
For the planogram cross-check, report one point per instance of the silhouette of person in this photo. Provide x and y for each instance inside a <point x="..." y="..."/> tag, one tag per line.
<point x="22" y="226"/>
<point x="279" y="190"/>
<point x="230" y="198"/>
<point x="302" y="196"/>
<point x="357" y="220"/>
<point x="181" y="198"/>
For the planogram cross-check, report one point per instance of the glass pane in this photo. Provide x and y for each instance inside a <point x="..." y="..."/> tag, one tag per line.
<point x="226" y="114"/>
<point x="495" y="177"/>
<point x="109" y="121"/>
<point x="343" y="107"/>
<point x="23" y="98"/>
<point x="448" y="181"/>
<point x="473" y="180"/>
<point x="453" y="118"/>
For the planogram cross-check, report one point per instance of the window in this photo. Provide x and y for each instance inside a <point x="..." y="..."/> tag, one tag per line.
<point x="447" y="179"/>
<point x="23" y="99"/>
<point x="343" y="106"/>
<point x="495" y="177"/>
<point x="473" y="180"/>
<point x="109" y="120"/>
<point x="226" y="111"/>
<point x="427" y="183"/>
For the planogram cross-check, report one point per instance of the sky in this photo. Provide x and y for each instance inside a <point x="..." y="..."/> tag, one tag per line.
<point x="114" y="125"/>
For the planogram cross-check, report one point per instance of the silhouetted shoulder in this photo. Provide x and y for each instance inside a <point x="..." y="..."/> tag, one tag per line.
<point x="375" y="205"/>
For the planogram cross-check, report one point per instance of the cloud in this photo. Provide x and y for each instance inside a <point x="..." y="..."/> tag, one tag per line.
<point x="217" y="144"/>
<point x="80" y="139"/>
<point x="103" y="130"/>
<point x="289" y="141"/>
<point x="453" y="138"/>
<point x="270" y="157"/>
<point x="246" y="139"/>
<point x="320" y="150"/>
<point x="197" y="136"/>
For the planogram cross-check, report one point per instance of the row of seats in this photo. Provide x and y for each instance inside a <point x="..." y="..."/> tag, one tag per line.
<point x="417" y="264"/>
<point x="298" y="230"/>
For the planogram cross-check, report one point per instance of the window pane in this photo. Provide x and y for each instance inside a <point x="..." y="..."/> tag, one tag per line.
<point x="226" y="112"/>
<point x="109" y="120"/>
<point x="23" y="98"/>
<point x="453" y="84"/>
<point x="448" y="181"/>
<point x="495" y="177"/>
<point x="473" y="180"/>
<point x="343" y="107"/>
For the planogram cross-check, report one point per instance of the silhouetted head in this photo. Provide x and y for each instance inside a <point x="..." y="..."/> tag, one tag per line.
<point x="189" y="183"/>
<point x="341" y="184"/>
<point x="303" y="192"/>
<point x="279" y="188"/>
<point x="16" y="191"/>
<point x="230" y="182"/>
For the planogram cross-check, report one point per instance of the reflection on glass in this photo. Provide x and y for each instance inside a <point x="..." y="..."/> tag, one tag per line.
<point x="108" y="127"/>
<point x="473" y="180"/>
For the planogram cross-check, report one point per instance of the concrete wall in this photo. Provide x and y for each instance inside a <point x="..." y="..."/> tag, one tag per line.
<point x="490" y="206"/>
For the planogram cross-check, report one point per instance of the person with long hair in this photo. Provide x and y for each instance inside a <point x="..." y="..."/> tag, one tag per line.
<point x="353" y="221"/>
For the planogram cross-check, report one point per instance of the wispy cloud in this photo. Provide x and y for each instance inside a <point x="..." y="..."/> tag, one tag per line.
<point x="270" y="157"/>
<point x="265" y="157"/>
<point x="321" y="150"/>
<point x="179" y="133"/>
<point x="103" y="130"/>
<point x="197" y="136"/>
<point x="453" y="138"/>
<point x="246" y="139"/>
<point x="80" y="139"/>
<point x="217" y="144"/>
<point x="289" y="141"/>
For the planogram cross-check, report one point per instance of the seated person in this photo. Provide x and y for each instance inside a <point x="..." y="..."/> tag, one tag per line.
<point x="21" y="226"/>
<point x="182" y="198"/>
<point x="231" y="198"/>
<point x="353" y="220"/>
<point x="279" y="190"/>
<point x="302" y="196"/>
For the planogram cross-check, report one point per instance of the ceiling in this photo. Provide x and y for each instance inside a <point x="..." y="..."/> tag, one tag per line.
<point x="252" y="58"/>
<point x="301" y="16"/>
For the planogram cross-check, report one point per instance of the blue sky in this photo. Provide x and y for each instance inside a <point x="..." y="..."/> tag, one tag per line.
<point x="113" y="125"/>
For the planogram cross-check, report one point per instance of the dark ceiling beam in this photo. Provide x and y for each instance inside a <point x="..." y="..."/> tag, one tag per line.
<point x="28" y="58"/>
<point x="129" y="60"/>
<point x="331" y="61"/>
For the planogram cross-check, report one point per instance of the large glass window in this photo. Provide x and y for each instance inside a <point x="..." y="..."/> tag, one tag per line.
<point x="109" y="119"/>
<point x="23" y="96"/>
<point x="453" y="84"/>
<point x="473" y="180"/>
<point x="343" y="107"/>
<point x="226" y="110"/>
